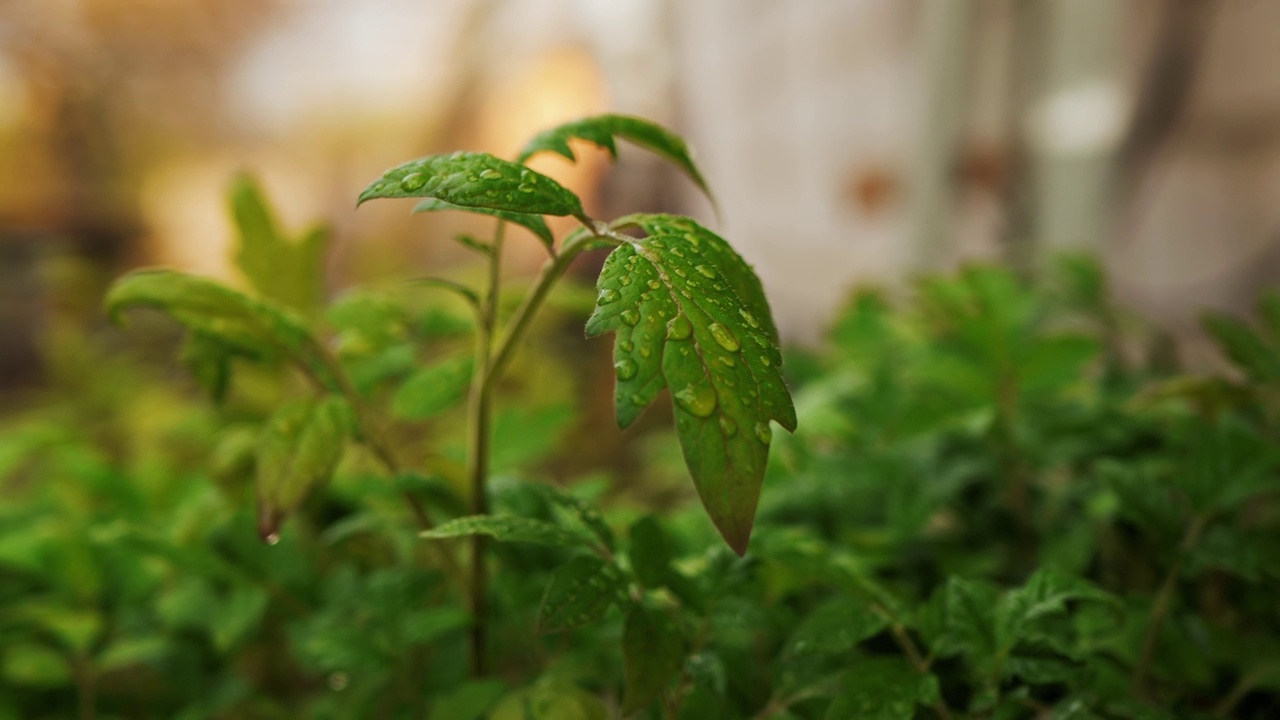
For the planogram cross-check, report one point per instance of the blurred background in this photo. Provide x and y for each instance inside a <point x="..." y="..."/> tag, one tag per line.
<point x="852" y="141"/>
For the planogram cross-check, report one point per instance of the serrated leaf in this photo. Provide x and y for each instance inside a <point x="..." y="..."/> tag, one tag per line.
<point x="960" y="617"/>
<point x="836" y="627"/>
<point x="688" y="313"/>
<point x="287" y="271"/>
<point x="1045" y="593"/>
<point x="579" y="594"/>
<point x="602" y="129"/>
<point x="883" y="689"/>
<point x="508" y="528"/>
<point x="534" y="223"/>
<point x="298" y="450"/>
<point x="219" y="314"/>
<point x="650" y="552"/>
<point x="471" y="180"/>
<point x="434" y="389"/>
<point x="653" y="652"/>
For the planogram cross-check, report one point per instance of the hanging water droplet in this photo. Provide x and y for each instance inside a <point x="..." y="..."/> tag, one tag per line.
<point x="751" y="319"/>
<point x="413" y="181"/>
<point x="763" y="432"/>
<point x="625" y="368"/>
<point x="607" y="295"/>
<point x="272" y="538"/>
<point x="706" y="271"/>
<point x="679" y="328"/>
<point x="490" y="174"/>
<point x="699" y="400"/>
<point x="723" y="338"/>
<point x="626" y="346"/>
<point x="728" y="427"/>
<point x="630" y="317"/>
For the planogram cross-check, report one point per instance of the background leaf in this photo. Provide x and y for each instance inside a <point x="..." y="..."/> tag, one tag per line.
<point x="290" y="272"/>
<point x="653" y="652"/>
<point x="298" y="450"/>
<point x="434" y="389"/>
<point x="508" y="528"/>
<point x="580" y="592"/>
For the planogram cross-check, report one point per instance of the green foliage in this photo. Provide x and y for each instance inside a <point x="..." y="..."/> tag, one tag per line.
<point x="263" y="251"/>
<point x="988" y="510"/>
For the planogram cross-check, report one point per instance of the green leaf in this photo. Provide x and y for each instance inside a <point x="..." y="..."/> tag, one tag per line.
<point x="33" y="665"/>
<point x="218" y="314"/>
<point x="586" y="512"/>
<point x="1045" y="593"/>
<point x="883" y="689"/>
<point x="602" y="129"/>
<point x="1253" y="354"/>
<point x="688" y="313"/>
<point x="550" y="699"/>
<point x="298" y="450"/>
<point x="289" y="272"/>
<point x="508" y="528"/>
<point x="434" y="389"/>
<point x="534" y="223"/>
<point x="469" y="700"/>
<point x="836" y="627"/>
<point x="960" y="617"/>
<point x="650" y="552"/>
<point x="470" y="180"/>
<point x="579" y="594"/>
<point x="653" y="652"/>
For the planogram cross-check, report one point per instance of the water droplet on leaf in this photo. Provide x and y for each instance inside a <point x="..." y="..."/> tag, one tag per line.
<point x="763" y="432"/>
<point x="630" y="317"/>
<point x="679" y="328"/>
<point x="723" y="338"/>
<point x="490" y="174"/>
<point x="706" y="271"/>
<point x="625" y="368"/>
<point x="699" y="400"/>
<point x="272" y="538"/>
<point x="751" y="319"/>
<point x="626" y="346"/>
<point x="728" y="427"/>
<point x="413" y="181"/>
<point x="607" y="295"/>
<point x="655" y="284"/>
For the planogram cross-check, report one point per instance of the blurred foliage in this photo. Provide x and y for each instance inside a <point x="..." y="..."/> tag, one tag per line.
<point x="990" y="510"/>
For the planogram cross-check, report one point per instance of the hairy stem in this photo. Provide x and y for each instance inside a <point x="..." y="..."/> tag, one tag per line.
<point x="1163" y="603"/>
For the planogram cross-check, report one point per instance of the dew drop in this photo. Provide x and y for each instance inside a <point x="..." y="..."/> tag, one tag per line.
<point x="490" y="174"/>
<point x="631" y="317"/>
<point x="699" y="400"/>
<point x="706" y="271"/>
<point x="723" y="338"/>
<point x="680" y="272"/>
<point x="638" y="400"/>
<point x="626" y="346"/>
<point x="625" y="368"/>
<point x="645" y="352"/>
<point x="727" y="361"/>
<point x="491" y="193"/>
<point x="655" y="284"/>
<point x="607" y="295"/>
<point x="679" y="328"/>
<point x="524" y="188"/>
<point x="272" y="538"/>
<point x="766" y="361"/>
<point x="675" y="250"/>
<point x="763" y="432"/>
<point x="625" y="280"/>
<point x="413" y="181"/>
<point x="728" y="426"/>
<point x="751" y="319"/>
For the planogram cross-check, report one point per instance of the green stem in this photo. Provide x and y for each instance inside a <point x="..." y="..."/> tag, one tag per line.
<point x="1163" y="603"/>
<point x="479" y="431"/>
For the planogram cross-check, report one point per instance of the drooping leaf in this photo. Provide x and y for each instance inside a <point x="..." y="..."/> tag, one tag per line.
<point x="534" y="223"/>
<point x="290" y="272"/>
<point x="470" y="180"/>
<point x="508" y="528"/>
<point x="883" y="689"/>
<point x="835" y="627"/>
<point x="298" y="450"/>
<point x="688" y="313"/>
<point x="242" y="324"/>
<point x="652" y="653"/>
<point x="580" y="592"/>
<point x="602" y="129"/>
<point x="434" y="389"/>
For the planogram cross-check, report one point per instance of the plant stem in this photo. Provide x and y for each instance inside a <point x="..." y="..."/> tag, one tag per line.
<point x="479" y="430"/>
<point x="1163" y="602"/>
